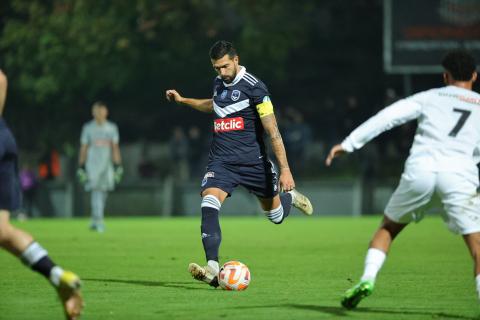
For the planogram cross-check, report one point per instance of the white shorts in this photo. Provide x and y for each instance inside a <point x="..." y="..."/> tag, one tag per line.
<point x="457" y="192"/>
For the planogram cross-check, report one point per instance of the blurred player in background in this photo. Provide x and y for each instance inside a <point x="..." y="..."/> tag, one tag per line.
<point x="18" y="242"/>
<point x="100" y="163"/>
<point x="442" y="159"/>
<point x="242" y="113"/>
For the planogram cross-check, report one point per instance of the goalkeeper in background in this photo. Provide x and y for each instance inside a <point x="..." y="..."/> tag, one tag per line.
<point x="99" y="161"/>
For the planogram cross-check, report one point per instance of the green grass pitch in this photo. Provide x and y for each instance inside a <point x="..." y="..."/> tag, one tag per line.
<point x="137" y="269"/>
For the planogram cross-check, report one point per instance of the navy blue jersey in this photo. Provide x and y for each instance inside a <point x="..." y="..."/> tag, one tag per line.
<point x="237" y="129"/>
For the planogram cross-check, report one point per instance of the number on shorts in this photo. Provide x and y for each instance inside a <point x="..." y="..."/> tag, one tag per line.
<point x="461" y="121"/>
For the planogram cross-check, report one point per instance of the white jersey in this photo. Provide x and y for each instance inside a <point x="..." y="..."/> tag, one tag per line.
<point x="448" y="133"/>
<point x="99" y="139"/>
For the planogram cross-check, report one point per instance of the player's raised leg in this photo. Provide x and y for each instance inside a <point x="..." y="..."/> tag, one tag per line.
<point x="263" y="181"/>
<point x="212" y="199"/>
<point x="22" y="245"/>
<point x="374" y="260"/>
<point x="278" y="208"/>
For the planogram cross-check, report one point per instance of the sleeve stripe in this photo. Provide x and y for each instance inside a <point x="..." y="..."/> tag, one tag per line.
<point x="251" y="76"/>
<point x="249" y="81"/>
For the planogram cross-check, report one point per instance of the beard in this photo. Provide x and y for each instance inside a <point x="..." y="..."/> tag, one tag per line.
<point x="229" y="79"/>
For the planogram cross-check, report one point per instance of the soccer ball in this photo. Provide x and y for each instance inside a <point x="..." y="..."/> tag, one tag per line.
<point x="234" y="275"/>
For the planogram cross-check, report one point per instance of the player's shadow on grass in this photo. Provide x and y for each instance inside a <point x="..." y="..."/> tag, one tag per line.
<point x="145" y="283"/>
<point x="339" y="311"/>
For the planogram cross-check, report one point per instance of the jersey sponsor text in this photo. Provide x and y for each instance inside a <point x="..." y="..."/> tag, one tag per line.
<point x="228" y="124"/>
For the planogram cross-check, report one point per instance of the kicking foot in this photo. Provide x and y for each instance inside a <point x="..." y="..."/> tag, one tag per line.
<point x="301" y="202"/>
<point x="69" y="293"/>
<point x="354" y="295"/>
<point x="206" y="274"/>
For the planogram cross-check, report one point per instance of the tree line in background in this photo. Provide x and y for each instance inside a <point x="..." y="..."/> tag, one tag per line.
<point x="60" y="56"/>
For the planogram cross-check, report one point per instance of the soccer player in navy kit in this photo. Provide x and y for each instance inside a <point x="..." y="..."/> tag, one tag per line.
<point x="18" y="242"/>
<point x="242" y="112"/>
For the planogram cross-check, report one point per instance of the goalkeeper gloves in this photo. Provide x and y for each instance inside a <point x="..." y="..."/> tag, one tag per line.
<point x="82" y="175"/>
<point x="117" y="173"/>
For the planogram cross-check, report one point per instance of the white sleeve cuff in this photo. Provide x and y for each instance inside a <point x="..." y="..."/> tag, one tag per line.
<point x="347" y="145"/>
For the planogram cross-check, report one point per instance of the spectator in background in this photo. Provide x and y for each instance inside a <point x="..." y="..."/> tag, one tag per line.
<point x="146" y="166"/>
<point x="179" y="149"/>
<point x="297" y="138"/>
<point x="49" y="167"/>
<point x="352" y="114"/>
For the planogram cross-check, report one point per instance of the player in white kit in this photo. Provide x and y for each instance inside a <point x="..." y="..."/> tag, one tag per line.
<point x="442" y="160"/>
<point x="100" y="164"/>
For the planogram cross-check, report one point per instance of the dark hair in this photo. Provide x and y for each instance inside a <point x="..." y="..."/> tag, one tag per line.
<point x="99" y="104"/>
<point x="460" y="64"/>
<point x="221" y="48"/>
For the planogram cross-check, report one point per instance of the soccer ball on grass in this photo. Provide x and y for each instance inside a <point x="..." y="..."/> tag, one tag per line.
<point x="234" y="276"/>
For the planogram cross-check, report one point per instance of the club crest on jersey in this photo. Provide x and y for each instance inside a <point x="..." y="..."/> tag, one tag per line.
<point x="224" y="94"/>
<point x="228" y="124"/>
<point x="235" y="95"/>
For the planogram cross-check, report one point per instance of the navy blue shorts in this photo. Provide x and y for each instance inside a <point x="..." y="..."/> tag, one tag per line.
<point x="10" y="193"/>
<point x="260" y="179"/>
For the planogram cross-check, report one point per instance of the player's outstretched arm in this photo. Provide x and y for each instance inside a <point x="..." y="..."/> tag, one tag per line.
<point x="3" y="91"/>
<point x="269" y="123"/>
<point x="203" y="105"/>
<point x="394" y="115"/>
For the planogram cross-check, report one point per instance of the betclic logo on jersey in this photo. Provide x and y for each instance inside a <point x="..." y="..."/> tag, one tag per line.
<point x="228" y="124"/>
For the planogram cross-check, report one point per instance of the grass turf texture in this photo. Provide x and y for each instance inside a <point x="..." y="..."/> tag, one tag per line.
<point x="138" y="270"/>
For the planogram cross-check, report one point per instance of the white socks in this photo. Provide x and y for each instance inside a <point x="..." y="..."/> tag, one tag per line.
<point x="275" y="215"/>
<point x="33" y="253"/>
<point x="373" y="263"/>
<point x="211" y="201"/>
<point x="55" y="275"/>
<point x="214" y="265"/>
